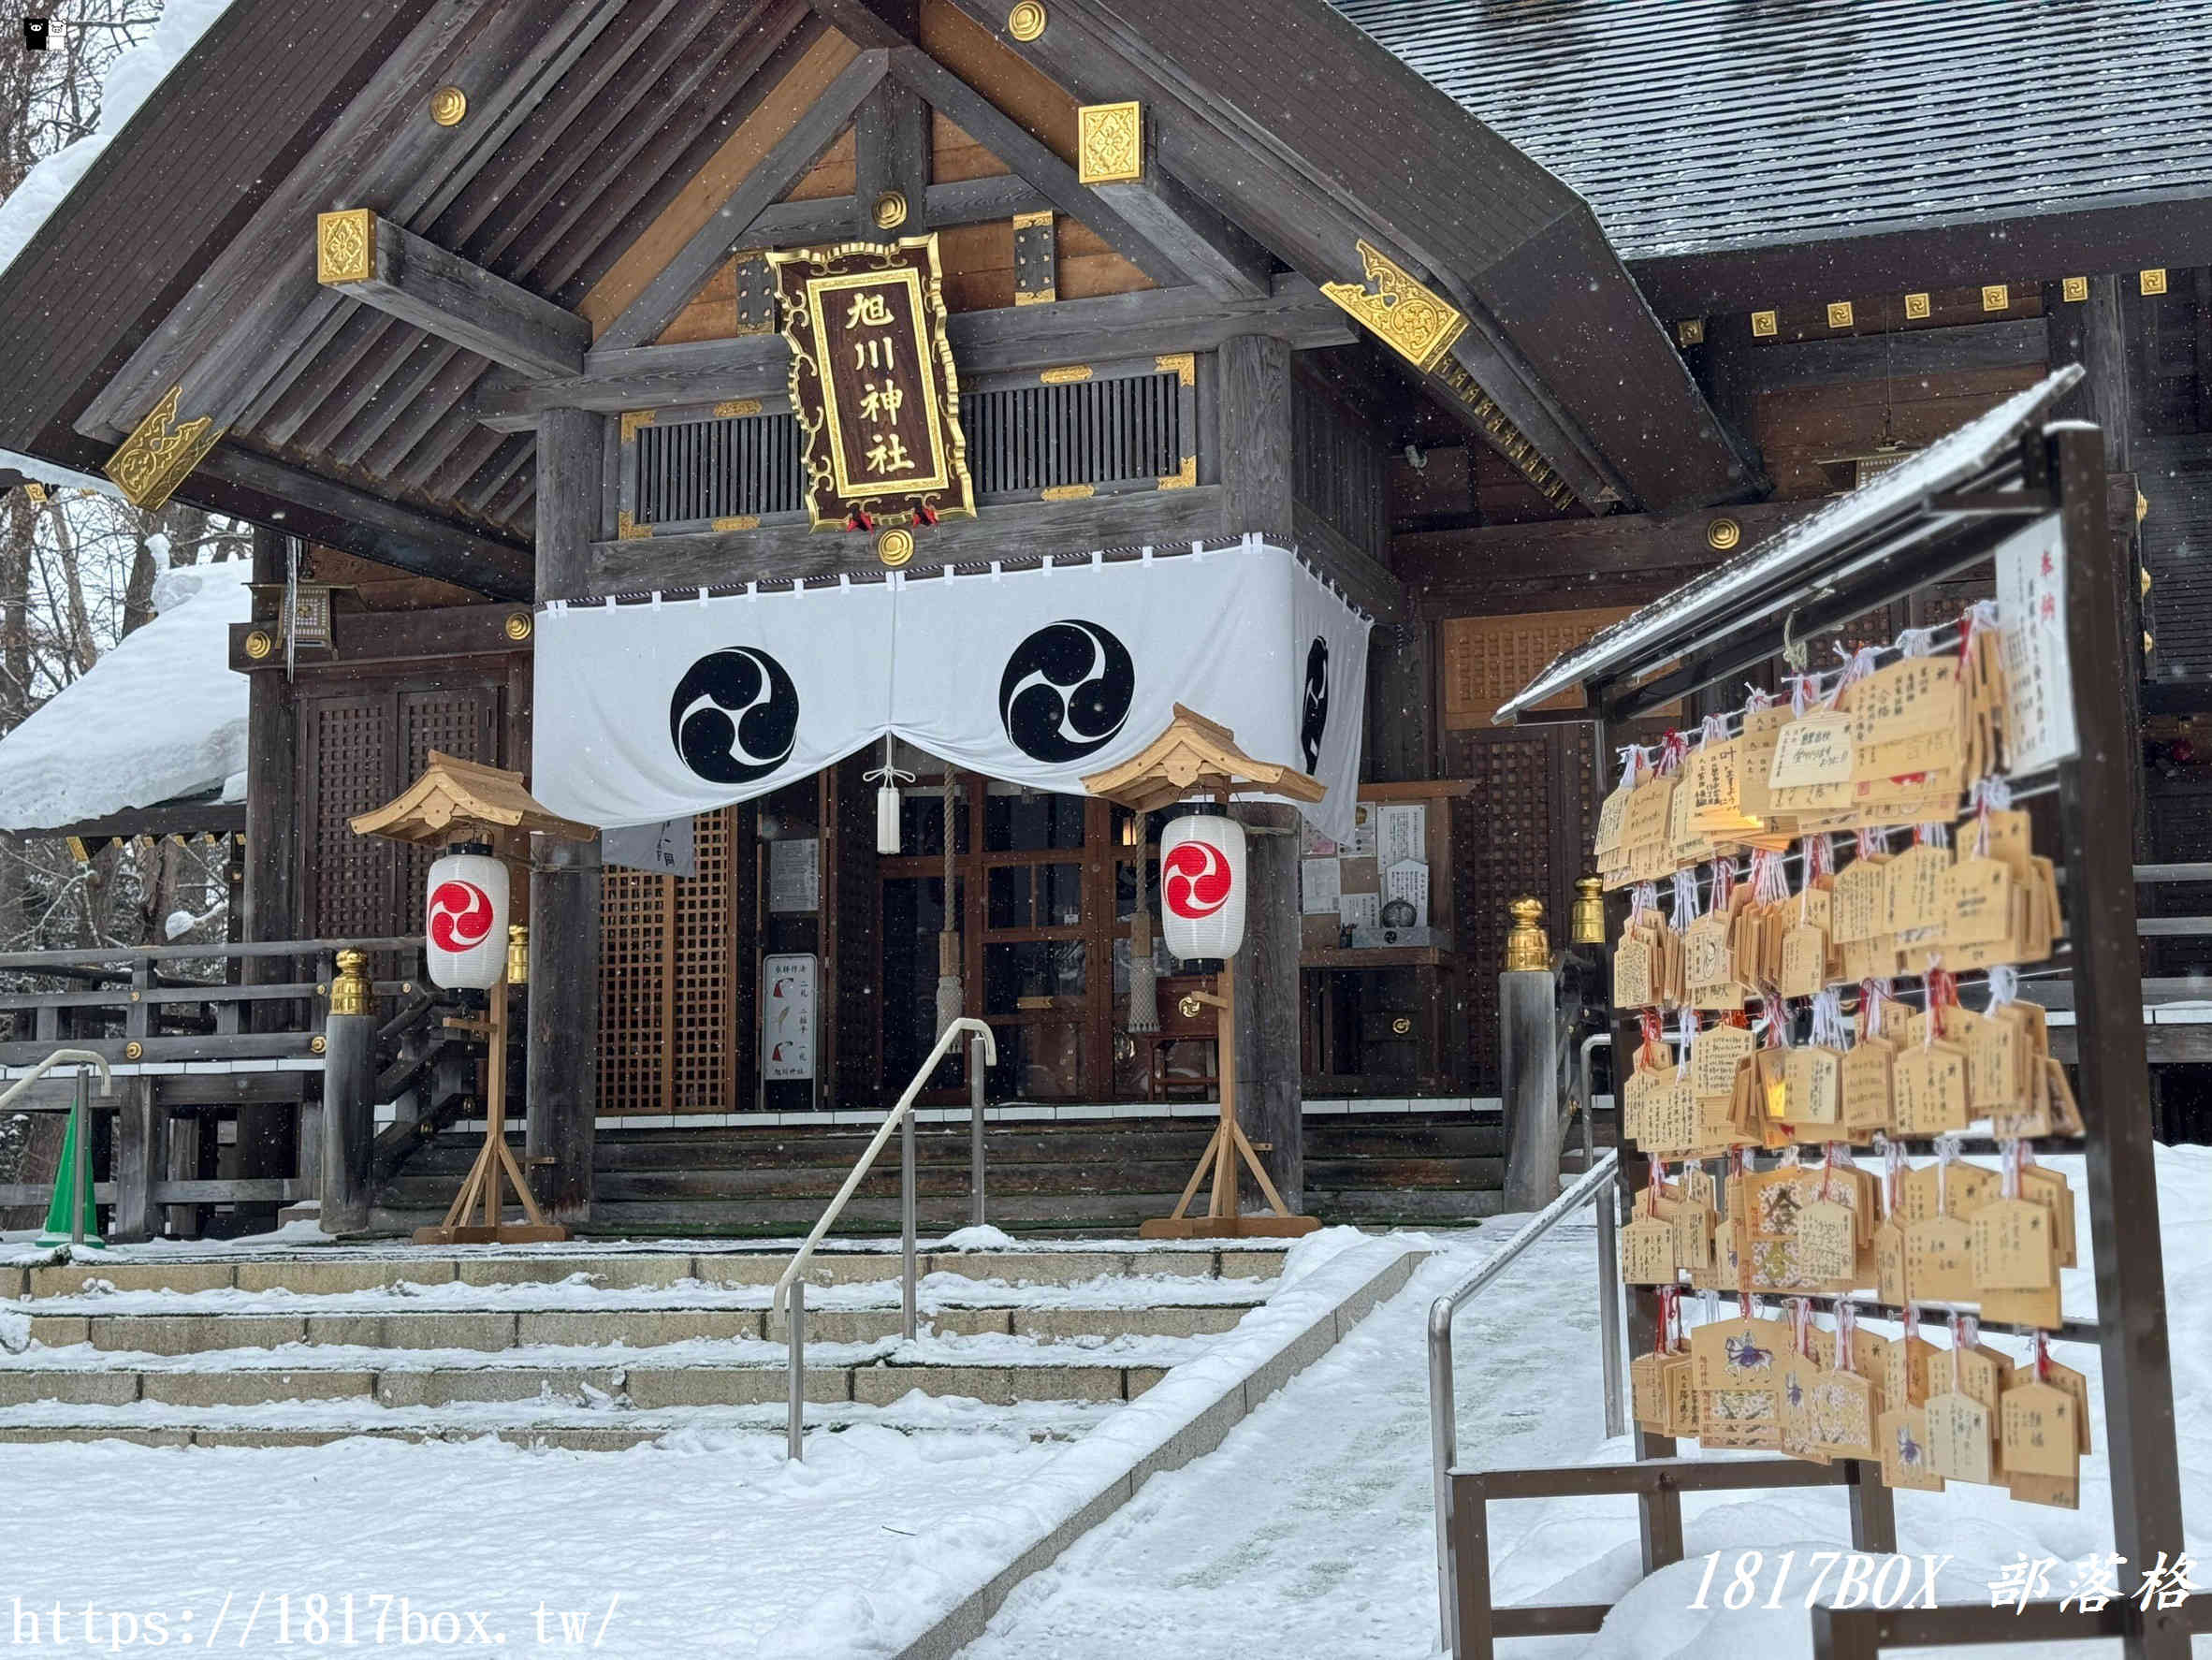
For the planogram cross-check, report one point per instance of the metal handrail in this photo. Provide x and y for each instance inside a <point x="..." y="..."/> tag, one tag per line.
<point x="790" y="1296"/>
<point x="1444" y="1428"/>
<point x="79" y="1138"/>
<point x="1612" y="1338"/>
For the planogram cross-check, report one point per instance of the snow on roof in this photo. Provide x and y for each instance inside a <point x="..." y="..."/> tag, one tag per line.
<point x="131" y="81"/>
<point x="1956" y="455"/>
<point x="161" y="717"/>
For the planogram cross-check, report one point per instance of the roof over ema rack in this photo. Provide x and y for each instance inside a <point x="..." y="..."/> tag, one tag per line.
<point x="1808" y="568"/>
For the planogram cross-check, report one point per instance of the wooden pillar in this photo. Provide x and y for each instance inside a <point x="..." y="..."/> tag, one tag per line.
<point x="563" y="1033"/>
<point x="140" y="1157"/>
<point x="1256" y="441"/>
<point x="1269" y="1096"/>
<point x="349" y="1101"/>
<point x="266" y="1132"/>
<point x="2093" y="333"/>
<point x="1528" y="1081"/>
<point x="1401" y="744"/>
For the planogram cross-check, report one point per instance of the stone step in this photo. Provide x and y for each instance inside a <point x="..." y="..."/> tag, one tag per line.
<point x="316" y="1423"/>
<point x="210" y="1332"/>
<point x="639" y="1383"/>
<point x="340" y="1269"/>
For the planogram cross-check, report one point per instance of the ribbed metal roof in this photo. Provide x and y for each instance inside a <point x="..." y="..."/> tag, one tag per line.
<point x="1689" y="124"/>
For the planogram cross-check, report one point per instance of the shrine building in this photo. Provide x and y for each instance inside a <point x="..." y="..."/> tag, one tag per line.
<point x="807" y="440"/>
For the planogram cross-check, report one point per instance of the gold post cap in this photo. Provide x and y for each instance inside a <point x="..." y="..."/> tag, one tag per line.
<point x="350" y="991"/>
<point x="1587" y="925"/>
<point x="1526" y="947"/>
<point x="517" y="954"/>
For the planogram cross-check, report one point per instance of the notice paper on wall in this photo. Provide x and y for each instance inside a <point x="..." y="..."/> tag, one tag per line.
<point x="1360" y="910"/>
<point x="1408" y="880"/>
<point x="2038" y="673"/>
<point x="795" y="876"/>
<point x="1320" y="880"/>
<point x="1405" y="833"/>
<point x="788" y="984"/>
<point x="665" y="848"/>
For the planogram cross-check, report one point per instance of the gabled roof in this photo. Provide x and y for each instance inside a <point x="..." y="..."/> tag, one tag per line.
<point x="1696" y="125"/>
<point x="184" y="260"/>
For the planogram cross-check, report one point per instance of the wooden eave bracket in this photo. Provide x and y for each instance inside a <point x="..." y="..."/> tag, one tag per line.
<point x="457" y="799"/>
<point x="1195" y="756"/>
<point x="386" y="266"/>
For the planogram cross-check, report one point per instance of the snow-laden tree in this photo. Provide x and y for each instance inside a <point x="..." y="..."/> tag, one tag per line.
<point x="77" y="567"/>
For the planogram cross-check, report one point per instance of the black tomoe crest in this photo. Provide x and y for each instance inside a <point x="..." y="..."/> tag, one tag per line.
<point x="1314" y="721"/>
<point x="1066" y="692"/>
<point x="735" y="716"/>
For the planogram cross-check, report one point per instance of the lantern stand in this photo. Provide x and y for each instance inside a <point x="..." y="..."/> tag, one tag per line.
<point x="456" y="802"/>
<point x="1195" y="756"/>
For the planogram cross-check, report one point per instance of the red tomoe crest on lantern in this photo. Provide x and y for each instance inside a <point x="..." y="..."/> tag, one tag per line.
<point x="1201" y="885"/>
<point x="464" y="919"/>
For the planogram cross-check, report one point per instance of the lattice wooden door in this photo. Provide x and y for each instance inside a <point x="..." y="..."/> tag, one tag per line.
<point x="671" y="979"/>
<point x="358" y="748"/>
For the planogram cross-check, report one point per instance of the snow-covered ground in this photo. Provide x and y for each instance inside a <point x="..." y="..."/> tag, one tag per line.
<point x="1313" y="1522"/>
<point x="1308" y="1531"/>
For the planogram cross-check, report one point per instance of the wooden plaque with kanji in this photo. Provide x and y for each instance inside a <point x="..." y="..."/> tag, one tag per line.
<point x="872" y="383"/>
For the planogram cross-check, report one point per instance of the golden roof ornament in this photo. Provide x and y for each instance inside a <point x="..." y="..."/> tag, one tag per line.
<point x="1413" y="319"/>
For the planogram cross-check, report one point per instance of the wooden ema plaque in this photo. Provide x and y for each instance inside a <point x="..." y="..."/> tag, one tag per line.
<point x="872" y="383"/>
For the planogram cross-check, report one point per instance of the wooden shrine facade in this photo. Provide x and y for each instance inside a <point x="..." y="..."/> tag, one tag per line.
<point x="470" y="306"/>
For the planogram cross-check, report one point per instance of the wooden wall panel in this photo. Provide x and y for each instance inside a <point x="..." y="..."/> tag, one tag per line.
<point x="1801" y="430"/>
<point x="674" y="972"/>
<point x="833" y="175"/>
<point x="954" y="156"/>
<point x="1486" y="659"/>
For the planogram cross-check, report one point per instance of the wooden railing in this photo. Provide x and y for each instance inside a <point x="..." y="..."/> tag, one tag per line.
<point x="119" y="1001"/>
<point x="182" y="1046"/>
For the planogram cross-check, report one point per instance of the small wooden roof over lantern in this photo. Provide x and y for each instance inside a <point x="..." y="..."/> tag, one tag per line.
<point x="456" y="800"/>
<point x="1195" y="756"/>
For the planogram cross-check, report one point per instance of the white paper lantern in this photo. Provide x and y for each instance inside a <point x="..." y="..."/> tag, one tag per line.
<point x="1201" y="885"/>
<point x="465" y="919"/>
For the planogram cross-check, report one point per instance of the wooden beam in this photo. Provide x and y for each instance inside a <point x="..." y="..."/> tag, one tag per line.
<point x="1011" y="531"/>
<point x="891" y="165"/>
<point x="798" y="148"/>
<point x="884" y="24"/>
<point x="1456" y="573"/>
<point x="365" y="256"/>
<point x="364" y="638"/>
<point x="390" y="533"/>
<point x="1012" y="143"/>
<point x="826" y="219"/>
<point x="1185" y="319"/>
<point x="2172" y="230"/>
<point x="1753" y="366"/>
<point x="1206" y="248"/>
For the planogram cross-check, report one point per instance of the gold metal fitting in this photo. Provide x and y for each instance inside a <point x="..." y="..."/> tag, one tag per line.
<point x="517" y="954"/>
<point x="1188" y="1004"/>
<point x="317" y="1045"/>
<point x="1525" y="947"/>
<point x="517" y="626"/>
<point x="133" y="1050"/>
<point x="895" y="546"/>
<point x="1401" y="1025"/>
<point x="2149" y="645"/>
<point x="260" y="644"/>
<point x="890" y="210"/>
<point x="1026" y="21"/>
<point x="1586" y="924"/>
<point x="1723" y="534"/>
<point x="2143" y="581"/>
<point x="349" y="992"/>
<point x="449" y="105"/>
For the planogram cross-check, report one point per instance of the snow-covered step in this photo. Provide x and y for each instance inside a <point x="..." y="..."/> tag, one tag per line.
<point x="340" y="1269"/>
<point x="600" y="1427"/>
<point x="998" y="1370"/>
<point x="64" y="1323"/>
